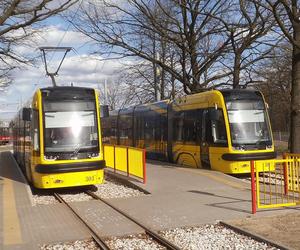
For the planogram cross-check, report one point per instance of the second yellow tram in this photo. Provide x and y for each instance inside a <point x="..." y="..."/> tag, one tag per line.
<point x="222" y="130"/>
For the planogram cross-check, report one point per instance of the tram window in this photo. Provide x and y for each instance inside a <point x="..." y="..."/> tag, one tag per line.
<point x="27" y="134"/>
<point x="113" y="124"/>
<point x="218" y="129"/>
<point x="164" y="127"/>
<point x="140" y="127"/>
<point x="125" y="126"/>
<point x="149" y="127"/>
<point x="157" y="127"/>
<point x="35" y="130"/>
<point x="178" y="126"/>
<point x="206" y="124"/>
<point x="160" y="127"/>
<point x="191" y="125"/>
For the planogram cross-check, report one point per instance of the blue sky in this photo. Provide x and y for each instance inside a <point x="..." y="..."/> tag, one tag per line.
<point x="79" y="67"/>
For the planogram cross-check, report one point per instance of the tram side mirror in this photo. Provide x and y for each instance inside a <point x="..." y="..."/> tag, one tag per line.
<point x="104" y="112"/>
<point x="267" y="105"/>
<point x="26" y="114"/>
<point x="214" y="115"/>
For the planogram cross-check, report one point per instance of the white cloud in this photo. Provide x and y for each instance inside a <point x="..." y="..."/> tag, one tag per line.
<point x="81" y="70"/>
<point x="78" y="68"/>
<point x="53" y="36"/>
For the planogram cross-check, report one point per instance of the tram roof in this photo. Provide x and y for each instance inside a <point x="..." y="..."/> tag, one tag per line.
<point x="62" y="88"/>
<point x="61" y="92"/>
<point x="241" y="93"/>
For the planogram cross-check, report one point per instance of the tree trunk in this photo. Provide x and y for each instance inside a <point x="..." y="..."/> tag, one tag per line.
<point x="173" y="87"/>
<point x="162" y="84"/>
<point x="236" y="71"/>
<point x="155" y="80"/>
<point x="295" y="96"/>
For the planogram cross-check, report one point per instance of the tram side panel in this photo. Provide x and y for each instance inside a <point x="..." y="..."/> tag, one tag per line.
<point x="125" y="127"/>
<point x="184" y="129"/>
<point x="151" y="130"/>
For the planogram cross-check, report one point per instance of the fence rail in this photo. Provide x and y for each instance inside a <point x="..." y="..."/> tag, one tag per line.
<point x="128" y="160"/>
<point x="275" y="183"/>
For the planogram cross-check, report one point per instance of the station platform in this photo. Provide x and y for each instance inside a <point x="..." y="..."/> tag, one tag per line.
<point x="23" y="226"/>
<point x="178" y="197"/>
<point x="181" y="197"/>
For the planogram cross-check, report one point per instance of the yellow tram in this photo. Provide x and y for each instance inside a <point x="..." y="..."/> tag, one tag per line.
<point x="222" y="130"/>
<point x="57" y="138"/>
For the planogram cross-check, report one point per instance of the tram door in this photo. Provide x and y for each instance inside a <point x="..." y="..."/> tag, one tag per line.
<point x="204" y="144"/>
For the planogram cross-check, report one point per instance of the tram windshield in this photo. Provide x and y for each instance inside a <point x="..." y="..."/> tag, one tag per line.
<point x="70" y="127"/>
<point x="248" y="123"/>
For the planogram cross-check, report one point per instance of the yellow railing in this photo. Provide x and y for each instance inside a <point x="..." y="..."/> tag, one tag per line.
<point x="128" y="160"/>
<point x="275" y="183"/>
<point x="292" y="172"/>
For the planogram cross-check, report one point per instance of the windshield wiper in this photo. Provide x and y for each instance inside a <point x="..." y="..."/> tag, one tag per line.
<point x="77" y="149"/>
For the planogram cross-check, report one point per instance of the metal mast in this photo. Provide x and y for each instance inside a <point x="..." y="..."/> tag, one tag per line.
<point x="47" y="49"/>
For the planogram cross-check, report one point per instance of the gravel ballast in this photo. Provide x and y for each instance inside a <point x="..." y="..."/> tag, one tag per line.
<point x="110" y="189"/>
<point x="191" y="238"/>
<point x="211" y="237"/>
<point x="76" y="245"/>
<point x="136" y="242"/>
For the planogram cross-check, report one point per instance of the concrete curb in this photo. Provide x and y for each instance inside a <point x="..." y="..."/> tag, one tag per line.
<point x="126" y="181"/>
<point x="254" y="236"/>
<point x="24" y="179"/>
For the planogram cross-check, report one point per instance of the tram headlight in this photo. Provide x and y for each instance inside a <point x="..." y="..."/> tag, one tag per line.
<point x="238" y="148"/>
<point x="93" y="155"/>
<point x="50" y="158"/>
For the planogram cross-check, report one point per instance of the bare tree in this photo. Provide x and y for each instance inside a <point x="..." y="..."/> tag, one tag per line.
<point x="251" y="37"/>
<point x="124" y="28"/>
<point x="287" y="16"/>
<point x="139" y="78"/>
<point x="17" y="18"/>
<point x="116" y="94"/>
<point x="276" y="79"/>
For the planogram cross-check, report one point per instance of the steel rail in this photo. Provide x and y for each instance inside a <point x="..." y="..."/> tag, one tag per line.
<point x="94" y="235"/>
<point x="164" y="242"/>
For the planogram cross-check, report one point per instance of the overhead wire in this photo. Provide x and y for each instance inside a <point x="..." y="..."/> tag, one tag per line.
<point x="65" y="33"/>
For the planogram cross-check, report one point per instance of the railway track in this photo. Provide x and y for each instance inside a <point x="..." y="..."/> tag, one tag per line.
<point x="99" y="240"/>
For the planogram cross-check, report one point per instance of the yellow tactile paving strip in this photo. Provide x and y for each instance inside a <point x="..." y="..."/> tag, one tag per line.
<point x="11" y="225"/>
<point x="213" y="176"/>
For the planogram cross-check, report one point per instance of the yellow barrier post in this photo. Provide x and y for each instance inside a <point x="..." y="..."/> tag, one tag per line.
<point x="144" y="166"/>
<point x="253" y="191"/>
<point x="285" y="171"/>
<point x="114" y="158"/>
<point x="127" y="162"/>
